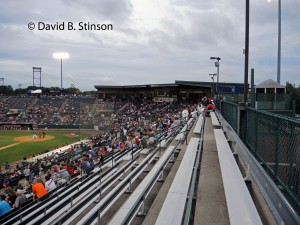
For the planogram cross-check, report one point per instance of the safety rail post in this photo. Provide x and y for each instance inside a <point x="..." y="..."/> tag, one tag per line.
<point x="161" y="179"/>
<point x="147" y="167"/>
<point x="71" y="205"/>
<point x="129" y="187"/>
<point x="142" y="207"/>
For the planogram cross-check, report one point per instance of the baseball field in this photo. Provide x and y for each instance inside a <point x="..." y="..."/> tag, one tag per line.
<point x="14" y="145"/>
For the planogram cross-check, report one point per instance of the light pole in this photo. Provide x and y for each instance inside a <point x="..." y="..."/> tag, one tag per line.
<point x="246" y="51"/>
<point x="279" y="41"/>
<point x="213" y="79"/>
<point x="61" y="56"/>
<point x="217" y="64"/>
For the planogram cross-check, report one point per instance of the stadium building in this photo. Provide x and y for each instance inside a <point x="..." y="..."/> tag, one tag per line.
<point x="180" y="90"/>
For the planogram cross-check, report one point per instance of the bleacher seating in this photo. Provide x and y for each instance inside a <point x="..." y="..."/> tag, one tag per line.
<point x="214" y="120"/>
<point x="241" y="209"/>
<point x="138" y="195"/>
<point x="44" y="111"/>
<point x="199" y="123"/>
<point x="174" y="203"/>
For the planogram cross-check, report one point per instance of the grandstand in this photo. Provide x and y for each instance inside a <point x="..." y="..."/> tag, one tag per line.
<point x="171" y="169"/>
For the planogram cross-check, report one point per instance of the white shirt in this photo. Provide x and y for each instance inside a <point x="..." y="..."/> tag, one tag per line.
<point x="50" y="185"/>
<point x="26" y="172"/>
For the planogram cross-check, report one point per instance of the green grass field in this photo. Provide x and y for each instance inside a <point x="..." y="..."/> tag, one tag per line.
<point x="21" y="149"/>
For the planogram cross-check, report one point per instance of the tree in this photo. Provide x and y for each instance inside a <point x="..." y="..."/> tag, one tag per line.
<point x="20" y="91"/>
<point x="6" y="90"/>
<point x="295" y="95"/>
<point x="73" y="90"/>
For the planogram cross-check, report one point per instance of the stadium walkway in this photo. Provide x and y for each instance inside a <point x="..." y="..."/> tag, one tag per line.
<point x="211" y="206"/>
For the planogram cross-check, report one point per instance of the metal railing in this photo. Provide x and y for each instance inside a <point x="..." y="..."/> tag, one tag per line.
<point x="229" y="111"/>
<point x="279" y="206"/>
<point x="274" y="140"/>
<point x="265" y="101"/>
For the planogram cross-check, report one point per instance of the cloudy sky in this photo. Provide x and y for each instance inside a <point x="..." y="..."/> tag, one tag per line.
<point x="157" y="41"/>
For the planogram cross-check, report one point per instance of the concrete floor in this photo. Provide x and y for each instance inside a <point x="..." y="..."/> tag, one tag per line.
<point x="210" y="204"/>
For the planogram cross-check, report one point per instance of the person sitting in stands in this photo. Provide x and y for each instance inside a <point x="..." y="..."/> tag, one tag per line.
<point x="4" y="206"/>
<point x="70" y="169"/>
<point x="11" y="196"/>
<point x="49" y="184"/>
<point x="64" y="174"/>
<point x="20" y="200"/>
<point x="54" y="173"/>
<point x="5" y="181"/>
<point x="86" y="166"/>
<point x="27" y="172"/>
<point x="38" y="189"/>
<point x="128" y="143"/>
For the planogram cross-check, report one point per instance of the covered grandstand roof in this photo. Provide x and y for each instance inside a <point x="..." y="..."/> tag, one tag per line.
<point x="176" y="84"/>
<point x="136" y="86"/>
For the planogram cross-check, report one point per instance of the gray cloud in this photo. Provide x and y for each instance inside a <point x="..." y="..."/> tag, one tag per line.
<point x="152" y="41"/>
<point x="111" y="10"/>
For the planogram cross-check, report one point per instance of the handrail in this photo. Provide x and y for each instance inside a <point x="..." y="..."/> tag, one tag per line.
<point x="130" y="207"/>
<point x="194" y="175"/>
<point x="70" y="198"/>
<point x="51" y="200"/>
<point x="175" y="201"/>
<point x="106" y="200"/>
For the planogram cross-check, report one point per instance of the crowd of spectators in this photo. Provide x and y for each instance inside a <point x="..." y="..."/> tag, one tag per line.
<point x="139" y="124"/>
<point x="46" y="110"/>
<point x="7" y="103"/>
<point x="75" y="110"/>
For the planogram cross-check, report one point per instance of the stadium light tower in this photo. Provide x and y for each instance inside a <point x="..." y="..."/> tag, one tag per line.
<point x="279" y="41"/>
<point x="61" y="56"/>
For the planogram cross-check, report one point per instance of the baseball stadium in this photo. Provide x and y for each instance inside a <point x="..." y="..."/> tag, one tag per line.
<point x="140" y="154"/>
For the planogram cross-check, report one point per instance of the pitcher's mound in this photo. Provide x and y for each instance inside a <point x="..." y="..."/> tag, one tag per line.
<point x="30" y="139"/>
